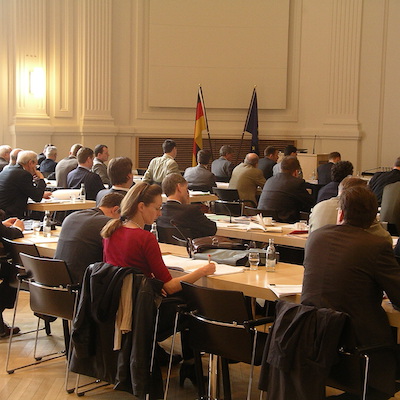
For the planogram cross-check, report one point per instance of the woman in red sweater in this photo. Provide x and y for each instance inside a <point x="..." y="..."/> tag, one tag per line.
<point x="127" y="244"/>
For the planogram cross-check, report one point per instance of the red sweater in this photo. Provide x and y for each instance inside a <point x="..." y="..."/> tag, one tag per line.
<point x="137" y="248"/>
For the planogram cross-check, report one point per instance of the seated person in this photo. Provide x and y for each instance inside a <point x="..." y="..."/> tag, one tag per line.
<point x="48" y="165"/>
<point x="247" y="178"/>
<point x="339" y="171"/>
<point x="348" y="269"/>
<point x="199" y="177"/>
<point x="127" y="244"/>
<point x="325" y="212"/>
<point x="178" y="208"/>
<point x="223" y="166"/>
<point x="11" y="229"/>
<point x="83" y="175"/>
<point x="80" y="243"/>
<point x="324" y="170"/>
<point x="121" y="177"/>
<point x="286" y="193"/>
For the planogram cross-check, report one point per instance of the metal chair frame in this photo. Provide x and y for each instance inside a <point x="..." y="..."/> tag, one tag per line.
<point x="62" y="288"/>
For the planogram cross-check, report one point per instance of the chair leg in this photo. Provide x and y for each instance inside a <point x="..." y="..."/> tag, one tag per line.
<point x="365" y="383"/>
<point x="226" y="382"/>
<point x="170" y="356"/>
<point x="47" y="328"/>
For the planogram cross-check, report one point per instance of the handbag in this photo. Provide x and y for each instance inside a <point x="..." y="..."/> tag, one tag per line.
<point x="216" y="242"/>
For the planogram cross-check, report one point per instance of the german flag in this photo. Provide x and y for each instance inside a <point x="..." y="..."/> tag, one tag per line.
<point x="251" y="125"/>
<point x="199" y="126"/>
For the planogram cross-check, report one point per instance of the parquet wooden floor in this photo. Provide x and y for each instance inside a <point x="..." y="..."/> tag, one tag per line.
<point x="46" y="381"/>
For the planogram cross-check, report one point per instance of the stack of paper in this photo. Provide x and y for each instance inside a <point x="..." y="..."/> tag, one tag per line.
<point x="189" y="265"/>
<point x="285" y="290"/>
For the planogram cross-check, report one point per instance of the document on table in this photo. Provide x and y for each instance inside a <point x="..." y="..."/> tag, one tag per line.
<point x="285" y="290"/>
<point x="189" y="265"/>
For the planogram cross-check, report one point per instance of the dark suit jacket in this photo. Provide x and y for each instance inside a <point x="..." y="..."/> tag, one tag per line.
<point x="92" y="181"/>
<point x="324" y="173"/>
<point x="381" y="179"/>
<point x="80" y="243"/>
<point x="16" y="185"/>
<point x="266" y="165"/>
<point x="347" y="269"/>
<point x="186" y="216"/>
<point x="286" y="195"/>
<point x="328" y="191"/>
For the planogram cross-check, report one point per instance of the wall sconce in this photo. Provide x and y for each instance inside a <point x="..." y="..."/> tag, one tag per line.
<point x="37" y="82"/>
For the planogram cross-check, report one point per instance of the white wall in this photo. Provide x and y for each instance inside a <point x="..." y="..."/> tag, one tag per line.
<point x="108" y="70"/>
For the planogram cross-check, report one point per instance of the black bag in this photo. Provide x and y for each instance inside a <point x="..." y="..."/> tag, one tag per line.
<point x="202" y="244"/>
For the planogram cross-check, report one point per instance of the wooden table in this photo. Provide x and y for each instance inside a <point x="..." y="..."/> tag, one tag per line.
<point x="67" y="205"/>
<point x="197" y="198"/>
<point x="239" y="231"/>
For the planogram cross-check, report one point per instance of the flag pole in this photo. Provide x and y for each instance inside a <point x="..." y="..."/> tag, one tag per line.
<point x="247" y="120"/>
<point x="205" y="117"/>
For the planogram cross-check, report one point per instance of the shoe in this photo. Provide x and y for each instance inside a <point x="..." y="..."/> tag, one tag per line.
<point x="163" y="357"/>
<point x="5" y="332"/>
<point x="187" y="371"/>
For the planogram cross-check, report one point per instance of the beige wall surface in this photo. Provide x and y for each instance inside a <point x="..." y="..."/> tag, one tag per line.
<point x="115" y="70"/>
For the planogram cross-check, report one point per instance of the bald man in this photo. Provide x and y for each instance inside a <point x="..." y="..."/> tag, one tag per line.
<point x="246" y="178"/>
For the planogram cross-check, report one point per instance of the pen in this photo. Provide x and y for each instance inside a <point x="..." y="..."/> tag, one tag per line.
<point x="209" y="258"/>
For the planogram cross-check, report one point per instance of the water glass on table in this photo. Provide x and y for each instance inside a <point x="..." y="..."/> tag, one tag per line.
<point x="36" y="228"/>
<point x="254" y="260"/>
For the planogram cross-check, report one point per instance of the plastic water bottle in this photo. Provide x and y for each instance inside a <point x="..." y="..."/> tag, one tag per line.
<point x="47" y="225"/>
<point x="82" y="193"/>
<point x="271" y="256"/>
<point x="154" y="230"/>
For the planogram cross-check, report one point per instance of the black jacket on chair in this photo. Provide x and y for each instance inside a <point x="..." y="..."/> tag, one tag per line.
<point x="301" y="347"/>
<point x="93" y="331"/>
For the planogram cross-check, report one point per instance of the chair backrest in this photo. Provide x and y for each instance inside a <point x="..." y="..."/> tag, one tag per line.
<point x="390" y="207"/>
<point x="15" y="248"/>
<point x="226" y="194"/>
<point x="215" y="323"/>
<point x="48" y="286"/>
<point x="199" y="188"/>
<point x="173" y="236"/>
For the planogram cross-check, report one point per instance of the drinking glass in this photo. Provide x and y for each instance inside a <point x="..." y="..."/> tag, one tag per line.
<point x="254" y="260"/>
<point x="36" y="228"/>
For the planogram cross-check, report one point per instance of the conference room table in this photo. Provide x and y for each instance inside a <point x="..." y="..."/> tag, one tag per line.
<point x="257" y="284"/>
<point x="61" y="205"/>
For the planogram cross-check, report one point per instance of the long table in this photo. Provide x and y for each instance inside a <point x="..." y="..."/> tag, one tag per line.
<point x="65" y="205"/>
<point x="251" y="283"/>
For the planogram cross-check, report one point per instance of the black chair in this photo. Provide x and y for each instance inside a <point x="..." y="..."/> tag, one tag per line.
<point x="220" y="323"/>
<point x="390" y="207"/>
<point x="229" y="202"/>
<point x="53" y="293"/>
<point x="200" y="188"/>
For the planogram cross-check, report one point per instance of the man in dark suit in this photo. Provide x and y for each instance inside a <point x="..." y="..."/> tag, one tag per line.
<point x="99" y="167"/>
<point x="82" y="174"/>
<point x="19" y="182"/>
<point x="381" y="179"/>
<point x="66" y="165"/>
<point x="324" y="170"/>
<point x="178" y="209"/>
<point x="347" y="269"/>
<point x="285" y="193"/>
<point x="80" y="243"/>
<point x="266" y="164"/>
<point x="11" y="229"/>
<point x="199" y="177"/>
<point x="121" y="177"/>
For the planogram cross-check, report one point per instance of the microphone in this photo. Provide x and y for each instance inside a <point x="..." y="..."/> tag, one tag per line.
<point x="227" y="209"/>
<point x="187" y="240"/>
<point x="313" y="149"/>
